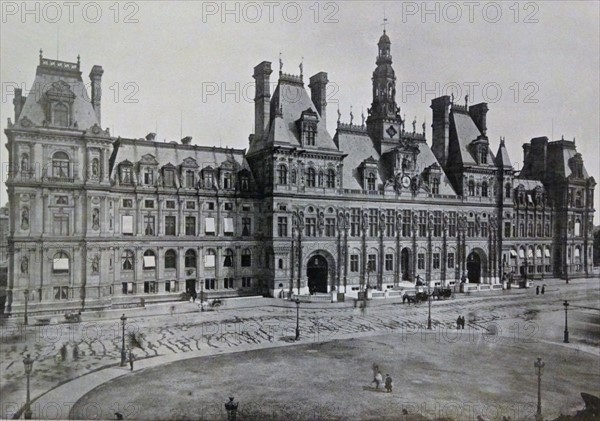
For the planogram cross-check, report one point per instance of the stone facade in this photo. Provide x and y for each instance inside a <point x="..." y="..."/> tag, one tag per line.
<point x="98" y="221"/>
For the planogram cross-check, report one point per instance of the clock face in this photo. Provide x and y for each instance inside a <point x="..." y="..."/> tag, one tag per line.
<point x="405" y="181"/>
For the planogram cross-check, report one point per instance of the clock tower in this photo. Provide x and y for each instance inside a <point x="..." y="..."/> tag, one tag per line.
<point x="384" y="123"/>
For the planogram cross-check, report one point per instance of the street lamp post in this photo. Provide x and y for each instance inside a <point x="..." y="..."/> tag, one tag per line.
<point x="26" y="293"/>
<point x="566" y="339"/>
<point x="28" y="363"/>
<point x="123" y="354"/>
<point x="539" y="364"/>
<point x="297" y="318"/>
<point x="429" y="300"/>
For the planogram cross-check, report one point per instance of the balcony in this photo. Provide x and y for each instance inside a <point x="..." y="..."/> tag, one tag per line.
<point x="63" y="180"/>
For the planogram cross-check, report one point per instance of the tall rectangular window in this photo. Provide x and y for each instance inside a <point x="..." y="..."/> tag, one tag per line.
<point x="450" y="261"/>
<point x="149" y="177"/>
<point x="330" y="227"/>
<point x="436" y="260"/>
<point x="354" y="263"/>
<point x="149" y="225"/>
<point x="127" y="224"/>
<point x="437" y="223"/>
<point x="507" y="229"/>
<point x="389" y="223"/>
<point x="406" y="223"/>
<point x="355" y="222"/>
<point x="61" y="225"/>
<point x="311" y="227"/>
<point x="484" y="229"/>
<point x="209" y="228"/>
<point x="190" y="225"/>
<point x="372" y="263"/>
<point x="422" y="223"/>
<point x="189" y="178"/>
<point x="451" y="224"/>
<point x="246" y="226"/>
<point x="373" y="216"/>
<point x="282" y="226"/>
<point x="228" y="226"/>
<point x="170" y="225"/>
<point x="421" y="261"/>
<point x="210" y="284"/>
<point x="470" y="229"/>
<point x="389" y="262"/>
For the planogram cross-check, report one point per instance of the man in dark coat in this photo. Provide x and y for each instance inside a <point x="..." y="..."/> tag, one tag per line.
<point x="458" y="322"/>
<point x="131" y="358"/>
<point x="388" y="383"/>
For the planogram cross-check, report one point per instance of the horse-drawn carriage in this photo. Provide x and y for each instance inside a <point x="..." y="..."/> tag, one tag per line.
<point x="73" y="317"/>
<point x="421" y="296"/>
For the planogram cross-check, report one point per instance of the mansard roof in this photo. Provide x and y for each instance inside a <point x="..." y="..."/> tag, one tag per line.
<point x="290" y="100"/>
<point x="359" y="148"/>
<point x="61" y="80"/>
<point x="502" y="159"/>
<point x="463" y="131"/>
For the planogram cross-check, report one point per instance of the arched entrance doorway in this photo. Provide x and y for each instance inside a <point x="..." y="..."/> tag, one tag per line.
<point x="405" y="264"/>
<point x="316" y="273"/>
<point x="474" y="268"/>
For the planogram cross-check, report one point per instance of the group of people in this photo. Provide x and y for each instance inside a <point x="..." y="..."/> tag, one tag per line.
<point x="537" y="289"/>
<point x="460" y="322"/>
<point x="379" y="380"/>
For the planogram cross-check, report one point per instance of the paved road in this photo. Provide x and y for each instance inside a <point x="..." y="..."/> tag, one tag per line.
<point x="87" y="347"/>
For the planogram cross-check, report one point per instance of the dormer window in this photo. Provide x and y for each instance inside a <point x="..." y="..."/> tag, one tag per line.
<point x="148" y="177"/>
<point x="483" y="154"/>
<point x="244" y="183"/>
<point x="435" y="185"/>
<point x="371" y="181"/>
<point x="60" y="115"/>
<point x="507" y="189"/>
<point x="126" y="174"/>
<point x="307" y="125"/>
<point x="227" y="181"/>
<point x="209" y="181"/>
<point x="189" y="179"/>
<point x="169" y="178"/>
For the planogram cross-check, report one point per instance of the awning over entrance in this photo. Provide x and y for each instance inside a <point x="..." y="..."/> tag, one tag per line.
<point x="547" y="253"/>
<point x="513" y="253"/>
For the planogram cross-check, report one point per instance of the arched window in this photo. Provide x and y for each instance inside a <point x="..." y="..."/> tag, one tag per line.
<point x="149" y="260"/>
<point x="127" y="259"/>
<point x="246" y="258"/>
<point x="60" y="115"/>
<point x="371" y="181"/>
<point x="330" y="178"/>
<point x="471" y="188"/>
<point x="228" y="258"/>
<point x="311" y="177"/>
<point x="60" y="263"/>
<point x="170" y="259"/>
<point x="282" y="174"/>
<point x="507" y="190"/>
<point x="484" y="189"/>
<point x="280" y="263"/>
<point x="60" y="165"/>
<point x="190" y="258"/>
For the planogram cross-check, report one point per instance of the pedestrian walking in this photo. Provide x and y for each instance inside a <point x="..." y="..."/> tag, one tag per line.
<point x="377" y="376"/>
<point x="462" y="322"/>
<point x="543" y="289"/>
<point x="537" y="290"/>
<point x="458" y="322"/>
<point x="131" y="358"/>
<point x="231" y="408"/>
<point x="388" y="383"/>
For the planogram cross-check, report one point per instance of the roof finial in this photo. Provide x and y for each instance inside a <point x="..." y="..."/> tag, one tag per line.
<point x="339" y="114"/>
<point x="362" y="115"/>
<point x="41" y="53"/>
<point x="351" y="115"/>
<point x="424" y="124"/>
<point x="78" y="60"/>
<point x="466" y="99"/>
<point x="452" y="98"/>
<point x="415" y="124"/>
<point x="501" y="140"/>
<point x="562" y="137"/>
<point x="280" y="63"/>
<point x="301" y="66"/>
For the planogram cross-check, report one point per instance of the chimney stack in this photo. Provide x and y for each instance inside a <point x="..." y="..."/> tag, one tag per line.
<point x="262" y="98"/>
<point x="478" y="113"/>
<point x="318" y="94"/>
<point x="18" y="102"/>
<point x="441" y="128"/>
<point x="96" y="79"/>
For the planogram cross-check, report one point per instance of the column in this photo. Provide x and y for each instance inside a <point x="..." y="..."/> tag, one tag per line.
<point x="398" y="250"/>
<point x="159" y="224"/>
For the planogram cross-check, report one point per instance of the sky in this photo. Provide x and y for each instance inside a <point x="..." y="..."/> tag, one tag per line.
<point x="185" y="68"/>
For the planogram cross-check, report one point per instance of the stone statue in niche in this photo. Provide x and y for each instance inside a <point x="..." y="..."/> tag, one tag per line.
<point x="95" y="264"/>
<point x="24" y="265"/>
<point x="95" y="168"/>
<point x="25" y="219"/>
<point x="25" y="163"/>
<point x="95" y="219"/>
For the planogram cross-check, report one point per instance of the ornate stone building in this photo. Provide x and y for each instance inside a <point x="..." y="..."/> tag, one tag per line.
<point x="98" y="221"/>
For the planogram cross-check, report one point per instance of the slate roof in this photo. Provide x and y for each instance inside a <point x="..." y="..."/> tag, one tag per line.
<point x="45" y="79"/>
<point x="359" y="147"/>
<point x="502" y="159"/>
